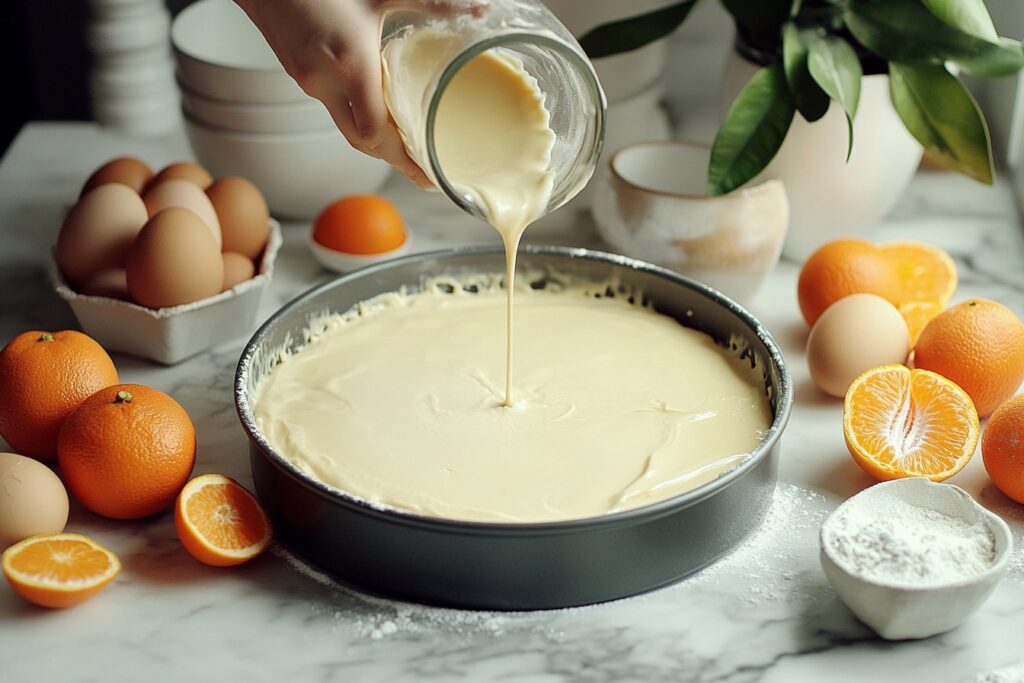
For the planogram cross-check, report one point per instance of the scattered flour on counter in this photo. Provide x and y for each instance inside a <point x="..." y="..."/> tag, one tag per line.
<point x="775" y="563"/>
<point x="899" y="543"/>
<point x="1010" y="674"/>
<point x="380" y="617"/>
<point x="779" y="560"/>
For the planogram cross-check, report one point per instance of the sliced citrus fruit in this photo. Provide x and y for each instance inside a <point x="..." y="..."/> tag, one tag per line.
<point x="927" y="273"/>
<point x="900" y="422"/>
<point x="917" y="314"/>
<point x="59" y="570"/>
<point x="219" y="522"/>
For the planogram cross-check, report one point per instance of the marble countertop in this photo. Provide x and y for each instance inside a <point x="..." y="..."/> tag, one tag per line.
<point x="764" y="613"/>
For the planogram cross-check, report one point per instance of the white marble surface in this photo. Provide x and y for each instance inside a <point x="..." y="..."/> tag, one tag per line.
<point x="765" y="613"/>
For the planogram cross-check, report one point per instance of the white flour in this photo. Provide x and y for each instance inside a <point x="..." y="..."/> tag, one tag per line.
<point x="1011" y="674"/>
<point x="904" y="544"/>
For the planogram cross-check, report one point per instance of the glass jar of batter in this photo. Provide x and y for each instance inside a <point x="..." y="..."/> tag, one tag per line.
<point x="528" y="34"/>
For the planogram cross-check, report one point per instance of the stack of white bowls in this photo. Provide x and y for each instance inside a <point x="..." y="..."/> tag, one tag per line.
<point x="245" y="116"/>
<point x="132" y="82"/>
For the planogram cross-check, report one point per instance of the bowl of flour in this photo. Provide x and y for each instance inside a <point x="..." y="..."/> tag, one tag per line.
<point x="912" y="558"/>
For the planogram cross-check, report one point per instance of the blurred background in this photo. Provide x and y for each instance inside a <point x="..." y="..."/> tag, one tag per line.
<point x="48" y="60"/>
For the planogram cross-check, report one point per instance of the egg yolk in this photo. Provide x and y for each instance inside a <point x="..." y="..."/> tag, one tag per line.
<point x="360" y="224"/>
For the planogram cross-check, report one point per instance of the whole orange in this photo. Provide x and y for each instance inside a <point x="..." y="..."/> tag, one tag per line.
<point x="845" y="267"/>
<point x="360" y="224"/>
<point x="45" y="376"/>
<point x="127" y="450"/>
<point x="1002" y="448"/>
<point x="979" y="344"/>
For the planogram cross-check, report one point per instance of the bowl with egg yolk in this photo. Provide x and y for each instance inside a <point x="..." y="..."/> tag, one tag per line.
<point x="636" y="443"/>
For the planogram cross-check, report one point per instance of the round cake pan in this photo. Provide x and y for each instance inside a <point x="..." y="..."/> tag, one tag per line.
<point x="515" y="566"/>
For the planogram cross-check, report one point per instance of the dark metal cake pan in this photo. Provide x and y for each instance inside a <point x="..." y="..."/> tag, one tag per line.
<point x="529" y="565"/>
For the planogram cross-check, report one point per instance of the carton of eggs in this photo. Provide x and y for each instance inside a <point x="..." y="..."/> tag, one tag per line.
<point x="164" y="265"/>
<point x="132" y="235"/>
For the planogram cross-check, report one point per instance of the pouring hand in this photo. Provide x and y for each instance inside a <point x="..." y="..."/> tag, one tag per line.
<point x="332" y="50"/>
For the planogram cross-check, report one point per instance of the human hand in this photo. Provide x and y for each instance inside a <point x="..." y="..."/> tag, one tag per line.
<point x="332" y="50"/>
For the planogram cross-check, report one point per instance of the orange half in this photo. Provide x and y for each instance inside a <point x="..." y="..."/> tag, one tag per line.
<point x="917" y="314"/>
<point x="900" y="422"/>
<point x="219" y="522"/>
<point x="927" y="273"/>
<point x="59" y="570"/>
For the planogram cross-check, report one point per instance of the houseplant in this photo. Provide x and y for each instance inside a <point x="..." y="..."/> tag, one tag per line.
<point x="807" y="62"/>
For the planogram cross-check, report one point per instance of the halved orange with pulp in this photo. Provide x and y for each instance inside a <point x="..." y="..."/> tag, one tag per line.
<point x="59" y="570"/>
<point x="219" y="522"/>
<point x="926" y="272"/>
<point x="917" y="314"/>
<point x="900" y="422"/>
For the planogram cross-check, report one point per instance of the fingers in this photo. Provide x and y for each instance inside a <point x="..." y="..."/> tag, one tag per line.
<point x="390" y="147"/>
<point x="366" y="98"/>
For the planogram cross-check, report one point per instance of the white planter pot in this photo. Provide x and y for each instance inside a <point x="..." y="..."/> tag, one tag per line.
<point x="829" y="197"/>
<point x="624" y="75"/>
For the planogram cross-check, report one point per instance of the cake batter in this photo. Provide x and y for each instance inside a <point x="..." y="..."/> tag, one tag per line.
<point x="401" y="403"/>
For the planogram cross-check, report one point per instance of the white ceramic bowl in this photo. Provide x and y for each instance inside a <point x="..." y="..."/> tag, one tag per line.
<point x="651" y="205"/>
<point x="340" y="262"/>
<point x="298" y="173"/>
<point x="223" y="56"/>
<point x="289" y="117"/>
<point x="128" y="32"/>
<point x="170" y="335"/>
<point x="898" y="612"/>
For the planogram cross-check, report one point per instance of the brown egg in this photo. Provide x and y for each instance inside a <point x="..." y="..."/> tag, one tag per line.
<point x="184" y="170"/>
<point x="237" y="268"/>
<point x="243" y="215"/>
<point x="112" y="283"/>
<point x="98" y="231"/>
<point x="125" y="170"/>
<point x="174" y="261"/>
<point x="186" y="195"/>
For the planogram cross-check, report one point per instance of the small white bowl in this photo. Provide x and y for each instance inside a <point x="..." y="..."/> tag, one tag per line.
<point x="290" y="117"/>
<point x="222" y="55"/>
<point x="898" y="612"/>
<point x="341" y="262"/>
<point x="170" y="335"/>
<point x="298" y="173"/>
<point x="651" y="205"/>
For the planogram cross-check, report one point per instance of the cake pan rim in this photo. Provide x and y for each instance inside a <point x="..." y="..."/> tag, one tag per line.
<point x="783" y="399"/>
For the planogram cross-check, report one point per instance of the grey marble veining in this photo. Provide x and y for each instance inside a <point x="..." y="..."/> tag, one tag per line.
<point x="765" y="613"/>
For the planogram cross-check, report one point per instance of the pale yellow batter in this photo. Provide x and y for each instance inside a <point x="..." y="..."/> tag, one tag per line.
<point x="619" y="407"/>
<point x="492" y="136"/>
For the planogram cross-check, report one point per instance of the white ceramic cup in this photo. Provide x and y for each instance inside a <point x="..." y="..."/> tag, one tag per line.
<point x="651" y="205"/>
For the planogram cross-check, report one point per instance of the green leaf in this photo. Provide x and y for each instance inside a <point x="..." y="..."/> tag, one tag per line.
<point x="810" y="99"/>
<point x="1002" y="62"/>
<point x="905" y="31"/>
<point x="970" y="16"/>
<point x="835" y="67"/>
<point x="759" y="19"/>
<point x="939" y="111"/>
<point x="633" y="33"/>
<point x="753" y="131"/>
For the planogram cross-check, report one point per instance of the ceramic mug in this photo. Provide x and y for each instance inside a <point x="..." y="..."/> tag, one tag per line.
<point x="652" y="206"/>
